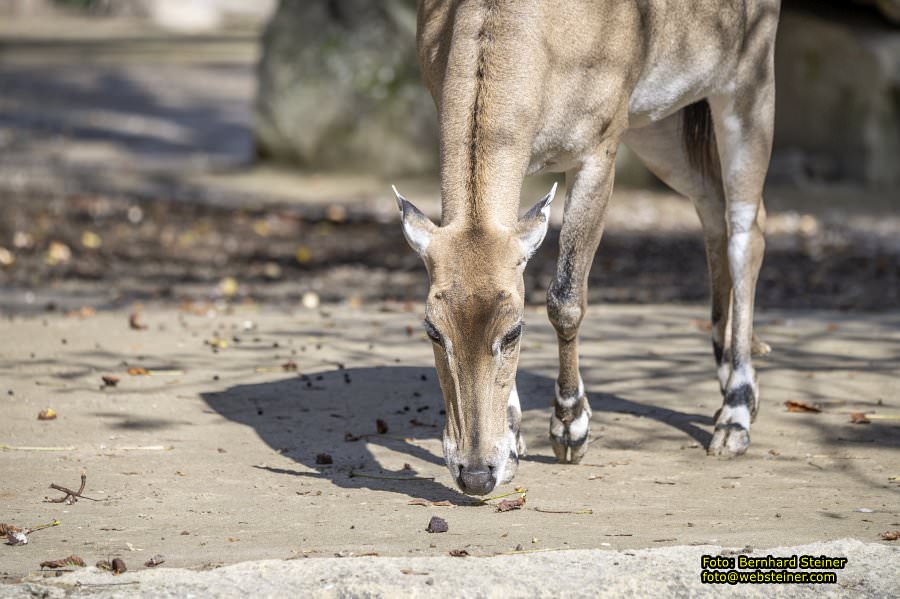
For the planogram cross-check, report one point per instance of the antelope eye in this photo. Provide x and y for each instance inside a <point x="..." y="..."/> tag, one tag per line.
<point x="511" y="337"/>
<point x="433" y="333"/>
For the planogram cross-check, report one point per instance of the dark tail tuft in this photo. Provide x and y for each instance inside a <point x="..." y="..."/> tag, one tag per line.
<point x="699" y="138"/>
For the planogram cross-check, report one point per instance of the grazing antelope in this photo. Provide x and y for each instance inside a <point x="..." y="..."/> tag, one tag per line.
<point x="528" y="86"/>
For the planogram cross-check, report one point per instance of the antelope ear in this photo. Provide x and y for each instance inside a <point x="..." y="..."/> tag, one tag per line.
<point x="533" y="225"/>
<point x="417" y="228"/>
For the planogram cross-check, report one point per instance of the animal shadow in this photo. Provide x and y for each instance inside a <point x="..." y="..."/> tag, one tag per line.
<point x="332" y="412"/>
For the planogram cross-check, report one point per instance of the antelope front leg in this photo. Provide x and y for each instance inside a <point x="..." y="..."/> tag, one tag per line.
<point x="588" y="193"/>
<point x="743" y="126"/>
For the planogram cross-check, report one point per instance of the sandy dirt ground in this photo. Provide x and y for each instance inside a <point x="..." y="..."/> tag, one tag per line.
<point x="143" y="139"/>
<point x="212" y="458"/>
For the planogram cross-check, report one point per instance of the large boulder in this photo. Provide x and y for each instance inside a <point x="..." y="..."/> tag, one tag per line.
<point x="837" y="111"/>
<point x="340" y="89"/>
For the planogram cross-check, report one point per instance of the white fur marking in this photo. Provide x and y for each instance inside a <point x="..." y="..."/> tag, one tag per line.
<point x="514" y="401"/>
<point x="743" y="376"/>
<point x="738" y="243"/>
<point x="557" y="428"/>
<point x="568" y="402"/>
<point x="724" y="373"/>
<point x="736" y="415"/>
<point x="578" y="428"/>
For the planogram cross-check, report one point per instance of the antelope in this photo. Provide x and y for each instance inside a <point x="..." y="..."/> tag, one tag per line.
<point x="531" y="86"/>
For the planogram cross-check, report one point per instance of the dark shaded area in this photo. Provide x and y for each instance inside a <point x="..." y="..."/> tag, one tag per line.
<point x="287" y="414"/>
<point x="119" y="106"/>
<point x="159" y="250"/>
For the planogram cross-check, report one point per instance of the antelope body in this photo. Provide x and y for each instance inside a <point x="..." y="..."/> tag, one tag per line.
<point x="527" y="86"/>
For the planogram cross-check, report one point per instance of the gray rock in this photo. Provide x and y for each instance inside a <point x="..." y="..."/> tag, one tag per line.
<point x="837" y="103"/>
<point x="340" y="89"/>
<point x="871" y="571"/>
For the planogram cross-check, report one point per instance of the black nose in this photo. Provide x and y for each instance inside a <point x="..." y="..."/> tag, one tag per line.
<point x="477" y="481"/>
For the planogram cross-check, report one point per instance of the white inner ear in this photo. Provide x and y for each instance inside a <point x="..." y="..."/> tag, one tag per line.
<point x="418" y="237"/>
<point x="531" y="240"/>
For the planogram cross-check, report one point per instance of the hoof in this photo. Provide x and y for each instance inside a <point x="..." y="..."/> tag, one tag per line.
<point x="729" y="440"/>
<point x="570" y="430"/>
<point x="567" y="453"/>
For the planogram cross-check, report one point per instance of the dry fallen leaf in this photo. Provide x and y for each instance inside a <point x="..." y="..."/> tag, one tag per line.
<point x="7" y="258"/>
<point x="47" y="414"/>
<point x="859" y="418"/>
<point x="23" y="240"/>
<point x="890" y="535"/>
<point x="702" y="324"/>
<point x="72" y="560"/>
<point x="336" y="213"/>
<point x="310" y="300"/>
<point x="109" y="380"/>
<point x="229" y="286"/>
<point x="459" y="553"/>
<point x="82" y="312"/>
<point x="437" y="525"/>
<point x="303" y="254"/>
<point x="134" y="321"/>
<point x="138" y="371"/>
<point x="218" y="343"/>
<point x="91" y="240"/>
<point x="507" y="505"/>
<point x="799" y="406"/>
<point x="57" y="253"/>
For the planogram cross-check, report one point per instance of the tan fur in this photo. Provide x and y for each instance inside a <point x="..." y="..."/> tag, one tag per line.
<point x="523" y="86"/>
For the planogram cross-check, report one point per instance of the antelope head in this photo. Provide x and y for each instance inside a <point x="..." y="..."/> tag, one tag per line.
<point x="474" y="317"/>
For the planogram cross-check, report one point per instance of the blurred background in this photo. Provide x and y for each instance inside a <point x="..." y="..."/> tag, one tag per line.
<point x="227" y="151"/>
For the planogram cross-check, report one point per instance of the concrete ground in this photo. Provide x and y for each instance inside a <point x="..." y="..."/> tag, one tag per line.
<point x="211" y="458"/>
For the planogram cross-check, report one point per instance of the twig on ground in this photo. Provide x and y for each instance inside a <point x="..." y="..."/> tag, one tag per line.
<point x="42" y="526"/>
<point x="385" y="477"/>
<point x="70" y="495"/>
<point x="578" y="512"/>
<point x="521" y="551"/>
<point x="484" y="500"/>
<point x="35" y="448"/>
